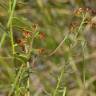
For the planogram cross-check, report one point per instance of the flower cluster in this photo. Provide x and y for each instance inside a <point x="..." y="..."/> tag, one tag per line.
<point x="86" y="14"/>
<point x="80" y="11"/>
<point x="28" y="36"/>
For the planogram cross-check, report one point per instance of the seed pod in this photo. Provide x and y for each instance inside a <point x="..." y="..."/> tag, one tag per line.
<point x="21" y="43"/>
<point x="42" y="35"/>
<point x="26" y="34"/>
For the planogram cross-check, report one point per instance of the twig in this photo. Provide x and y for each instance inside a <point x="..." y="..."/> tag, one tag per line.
<point x="58" y="46"/>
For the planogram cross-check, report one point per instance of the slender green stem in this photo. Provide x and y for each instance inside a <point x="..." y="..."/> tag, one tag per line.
<point x="12" y="39"/>
<point x="61" y="43"/>
<point x="84" y="52"/>
<point x="71" y="59"/>
<point x="28" y="79"/>
<point x="81" y="24"/>
<point x="74" y="68"/>
<point x="12" y="4"/>
<point x="58" y="83"/>
<point x="3" y="39"/>
<point x="64" y="91"/>
<point x="28" y="82"/>
<point x="83" y="44"/>
<point x="84" y="17"/>
<point x="16" y="81"/>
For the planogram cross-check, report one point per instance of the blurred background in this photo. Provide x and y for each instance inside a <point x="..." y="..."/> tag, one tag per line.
<point x="76" y="56"/>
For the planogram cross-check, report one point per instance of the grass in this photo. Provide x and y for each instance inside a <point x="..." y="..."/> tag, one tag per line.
<point x="44" y="50"/>
<point x="12" y="4"/>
